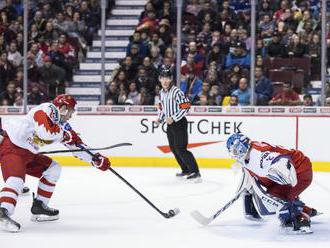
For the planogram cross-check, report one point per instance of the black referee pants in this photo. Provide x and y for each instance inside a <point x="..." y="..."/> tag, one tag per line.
<point x="177" y="135"/>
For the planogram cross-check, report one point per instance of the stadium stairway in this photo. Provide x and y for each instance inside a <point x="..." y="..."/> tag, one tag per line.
<point x="87" y="80"/>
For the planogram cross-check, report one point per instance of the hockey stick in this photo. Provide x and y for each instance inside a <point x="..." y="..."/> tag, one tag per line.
<point x="242" y="187"/>
<point x="171" y="213"/>
<point x="204" y="220"/>
<point x="91" y="149"/>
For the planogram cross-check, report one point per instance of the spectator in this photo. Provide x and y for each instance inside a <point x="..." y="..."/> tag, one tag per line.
<point x="145" y="97"/>
<point x="133" y="94"/>
<point x="238" y="56"/>
<point x="120" y="79"/>
<point x="263" y="88"/>
<point x="122" y="96"/>
<point x="37" y="54"/>
<point x="191" y="86"/>
<point x="7" y="70"/>
<point x="148" y="23"/>
<point x="205" y="89"/>
<point x="214" y="96"/>
<point x="215" y="55"/>
<point x="112" y="92"/>
<point x="148" y="7"/>
<point x="53" y="77"/>
<point x="260" y="49"/>
<point x="203" y="100"/>
<point x="308" y="100"/>
<point x="151" y="71"/>
<point x="14" y="56"/>
<point x="156" y="57"/>
<point x="157" y="94"/>
<point x="275" y="48"/>
<point x="35" y="96"/>
<point x="193" y="7"/>
<point x="136" y="40"/>
<point x="199" y="59"/>
<point x="233" y="101"/>
<point x="128" y="67"/>
<point x="315" y="54"/>
<point x="266" y="26"/>
<point x="243" y="92"/>
<point x="156" y="41"/>
<point x="287" y="96"/>
<point x="9" y="94"/>
<point x="134" y="55"/>
<point x="56" y="56"/>
<point x="206" y="10"/>
<point x="39" y="21"/>
<point x="90" y="19"/>
<point x="296" y="48"/>
<point x="165" y="32"/>
<point x="2" y="44"/>
<point x="50" y="34"/>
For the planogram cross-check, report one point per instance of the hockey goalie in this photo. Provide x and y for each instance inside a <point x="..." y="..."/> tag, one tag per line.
<point x="20" y="141"/>
<point x="273" y="178"/>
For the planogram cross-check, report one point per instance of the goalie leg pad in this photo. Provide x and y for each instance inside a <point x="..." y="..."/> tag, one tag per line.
<point x="266" y="204"/>
<point x="250" y="211"/>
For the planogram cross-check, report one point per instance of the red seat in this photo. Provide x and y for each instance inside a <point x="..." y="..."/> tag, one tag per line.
<point x="295" y="77"/>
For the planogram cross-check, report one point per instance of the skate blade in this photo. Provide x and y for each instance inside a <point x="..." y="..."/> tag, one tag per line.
<point x="195" y="180"/>
<point x="302" y="231"/>
<point x="10" y="227"/>
<point x="181" y="178"/>
<point x="43" y="218"/>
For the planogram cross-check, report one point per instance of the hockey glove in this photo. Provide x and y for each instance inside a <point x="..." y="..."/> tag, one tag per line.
<point x="101" y="162"/>
<point x="70" y="137"/>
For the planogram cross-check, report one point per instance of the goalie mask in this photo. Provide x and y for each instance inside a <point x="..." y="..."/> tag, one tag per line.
<point x="238" y="145"/>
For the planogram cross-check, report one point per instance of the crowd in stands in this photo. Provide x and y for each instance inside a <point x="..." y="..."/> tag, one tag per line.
<point x="216" y="54"/>
<point x="59" y="32"/>
<point x="215" y="48"/>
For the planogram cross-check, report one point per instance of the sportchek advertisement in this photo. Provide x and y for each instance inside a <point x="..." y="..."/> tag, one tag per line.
<point x="207" y="136"/>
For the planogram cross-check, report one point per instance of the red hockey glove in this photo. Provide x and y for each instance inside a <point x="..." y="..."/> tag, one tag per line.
<point x="101" y="162"/>
<point x="70" y="137"/>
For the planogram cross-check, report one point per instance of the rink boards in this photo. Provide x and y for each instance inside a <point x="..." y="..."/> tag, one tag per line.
<point x="207" y="136"/>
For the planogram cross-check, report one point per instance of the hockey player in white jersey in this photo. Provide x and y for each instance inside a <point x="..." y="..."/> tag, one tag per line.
<point x="274" y="178"/>
<point x="20" y="141"/>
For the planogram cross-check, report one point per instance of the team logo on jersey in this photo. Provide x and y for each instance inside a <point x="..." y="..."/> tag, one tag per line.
<point x="54" y="114"/>
<point x="40" y="142"/>
<point x="265" y="157"/>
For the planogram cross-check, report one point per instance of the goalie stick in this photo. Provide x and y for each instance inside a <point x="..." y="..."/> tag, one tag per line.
<point x="171" y="213"/>
<point x="204" y="220"/>
<point x="91" y="149"/>
<point x="242" y="188"/>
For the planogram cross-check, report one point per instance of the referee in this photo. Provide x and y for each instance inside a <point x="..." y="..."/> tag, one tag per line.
<point x="173" y="108"/>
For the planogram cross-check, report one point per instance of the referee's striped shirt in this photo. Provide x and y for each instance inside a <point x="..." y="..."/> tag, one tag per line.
<point x="173" y="103"/>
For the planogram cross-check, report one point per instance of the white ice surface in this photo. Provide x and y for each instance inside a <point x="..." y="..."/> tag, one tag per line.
<point x="98" y="210"/>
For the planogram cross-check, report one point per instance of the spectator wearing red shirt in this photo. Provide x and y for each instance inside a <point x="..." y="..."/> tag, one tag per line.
<point x="148" y="23"/>
<point x="286" y="97"/>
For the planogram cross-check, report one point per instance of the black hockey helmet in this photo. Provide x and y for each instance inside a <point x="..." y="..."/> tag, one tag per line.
<point x="166" y="72"/>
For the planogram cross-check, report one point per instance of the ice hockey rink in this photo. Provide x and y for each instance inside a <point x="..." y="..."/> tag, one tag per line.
<point x="98" y="210"/>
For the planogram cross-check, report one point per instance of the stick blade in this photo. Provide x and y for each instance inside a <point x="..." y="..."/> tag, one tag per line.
<point x="200" y="218"/>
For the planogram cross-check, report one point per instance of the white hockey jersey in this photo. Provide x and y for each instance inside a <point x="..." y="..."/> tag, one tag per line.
<point x="41" y="126"/>
<point x="276" y="163"/>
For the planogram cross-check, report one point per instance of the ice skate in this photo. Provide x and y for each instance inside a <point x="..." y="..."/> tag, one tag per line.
<point x="41" y="212"/>
<point x="194" y="177"/>
<point x="6" y="223"/>
<point x="182" y="175"/>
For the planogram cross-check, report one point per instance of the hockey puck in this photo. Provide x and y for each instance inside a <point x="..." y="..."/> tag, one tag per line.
<point x="174" y="212"/>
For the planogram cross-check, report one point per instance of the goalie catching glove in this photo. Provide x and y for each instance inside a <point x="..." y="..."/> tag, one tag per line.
<point x="101" y="162"/>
